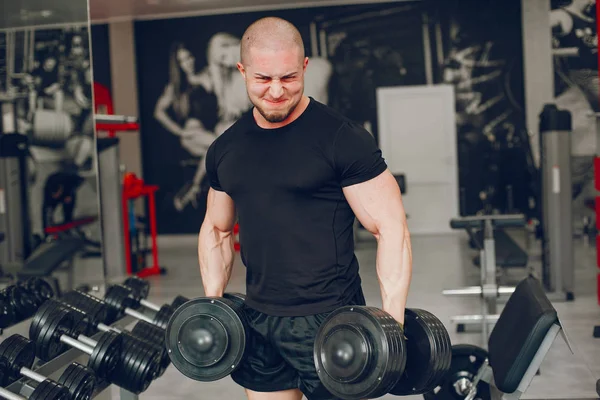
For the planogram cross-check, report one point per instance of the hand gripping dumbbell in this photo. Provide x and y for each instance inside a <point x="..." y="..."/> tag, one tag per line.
<point x="118" y="358"/>
<point x="206" y="337"/>
<point x="17" y="354"/>
<point x="87" y="325"/>
<point x="46" y="390"/>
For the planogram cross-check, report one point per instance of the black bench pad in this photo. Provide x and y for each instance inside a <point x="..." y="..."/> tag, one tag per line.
<point x="508" y="252"/>
<point x="49" y="256"/>
<point x="519" y="332"/>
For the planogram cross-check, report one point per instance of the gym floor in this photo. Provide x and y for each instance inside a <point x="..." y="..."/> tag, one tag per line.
<point x="440" y="262"/>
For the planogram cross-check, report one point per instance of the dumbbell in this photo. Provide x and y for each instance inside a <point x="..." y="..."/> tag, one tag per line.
<point x="40" y="289"/>
<point x="361" y="352"/>
<point x="123" y="299"/>
<point x="87" y="325"/>
<point x="23" y="303"/>
<point x="91" y="305"/>
<point x="141" y="289"/>
<point x="17" y="354"/>
<point x="206" y="337"/>
<point x="46" y="390"/>
<point x="118" y="358"/>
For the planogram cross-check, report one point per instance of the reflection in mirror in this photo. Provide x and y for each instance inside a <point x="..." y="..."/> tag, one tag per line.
<point x="49" y="208"/>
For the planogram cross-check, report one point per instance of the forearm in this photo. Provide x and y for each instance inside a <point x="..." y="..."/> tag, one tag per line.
<point x="216" y="255"/>
<point x="394" y="270"/>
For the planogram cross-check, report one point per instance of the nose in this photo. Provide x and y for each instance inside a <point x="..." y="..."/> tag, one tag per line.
<point x="276" y="89"/>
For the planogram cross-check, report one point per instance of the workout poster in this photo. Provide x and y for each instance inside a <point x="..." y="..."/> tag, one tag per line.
<point x="50" y="69"/>
<point x="575" y="61"/>
<point x="191" y="90"/>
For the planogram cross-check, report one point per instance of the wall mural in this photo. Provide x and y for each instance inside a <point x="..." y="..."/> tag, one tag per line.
<point x="190" y="90"/>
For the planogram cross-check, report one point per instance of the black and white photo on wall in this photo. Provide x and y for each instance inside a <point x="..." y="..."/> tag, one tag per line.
<point x="49" y="69"/>
<point x="191" y="90"/>
<point x="575" y="61"/>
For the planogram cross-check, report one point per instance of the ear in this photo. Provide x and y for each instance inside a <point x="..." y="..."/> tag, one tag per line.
<point x="305" y="63"/>
<point x="241" y="68"/>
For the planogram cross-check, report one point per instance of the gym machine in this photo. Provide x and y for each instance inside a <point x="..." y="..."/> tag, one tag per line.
<point x="524" y="333"/>
<point x="114" y="200"/>
<point x="14" y="214"/>
<point x="556" y="217"/>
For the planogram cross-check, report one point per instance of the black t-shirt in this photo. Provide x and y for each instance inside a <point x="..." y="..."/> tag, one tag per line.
<point x="296" y="227"/>
<point x="584" y="36"/>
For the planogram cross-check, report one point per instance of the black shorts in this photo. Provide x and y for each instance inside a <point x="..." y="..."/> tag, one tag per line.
<point x="279" y="355"/>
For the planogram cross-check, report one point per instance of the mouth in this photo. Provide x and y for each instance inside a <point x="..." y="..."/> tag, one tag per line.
<point x="275" y="102"/>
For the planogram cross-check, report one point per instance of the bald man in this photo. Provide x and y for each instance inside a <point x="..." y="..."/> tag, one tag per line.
<point x="296" y="174"/>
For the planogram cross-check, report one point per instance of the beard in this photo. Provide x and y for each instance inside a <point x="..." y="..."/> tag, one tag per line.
<point x="276" y="116"/>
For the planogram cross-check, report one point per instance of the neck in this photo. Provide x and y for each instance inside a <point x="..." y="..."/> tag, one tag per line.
<point x="263" y="123"/>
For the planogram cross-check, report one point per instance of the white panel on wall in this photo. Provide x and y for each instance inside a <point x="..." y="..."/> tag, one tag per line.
<point x="417" y="135"/>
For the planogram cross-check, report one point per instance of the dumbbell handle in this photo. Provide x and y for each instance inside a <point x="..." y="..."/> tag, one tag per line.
<point x="105" y="328"/>
<point x="7" y="394"/>
<point x="139" y="315"/>
<point x="149" y="305"/>
<point x="77" y="344"/>
<point x="32" y="375"/>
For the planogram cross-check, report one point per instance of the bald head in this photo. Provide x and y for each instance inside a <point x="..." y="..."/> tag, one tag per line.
<point x="270" y="33"/>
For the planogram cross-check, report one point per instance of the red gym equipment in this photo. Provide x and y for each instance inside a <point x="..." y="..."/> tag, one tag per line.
<point x="133" y="188"/>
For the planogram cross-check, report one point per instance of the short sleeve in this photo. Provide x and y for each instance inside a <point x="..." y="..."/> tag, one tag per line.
<point x="211" y="167"/>
<point x="356" y="155"/>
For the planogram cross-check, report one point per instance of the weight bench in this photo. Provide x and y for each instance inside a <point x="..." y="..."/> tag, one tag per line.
<point x="508" y="253"/>
<point x="73" y="229"/>
<point x="48" y="257"/>
<point x="518" y="344"/>
<point x="488" y="288"/>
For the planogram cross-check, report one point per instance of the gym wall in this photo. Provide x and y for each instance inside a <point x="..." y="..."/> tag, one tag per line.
<point x="475" y="45"/>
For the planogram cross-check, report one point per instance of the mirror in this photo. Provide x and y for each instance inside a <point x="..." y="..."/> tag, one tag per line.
<point x="49" y="207"/>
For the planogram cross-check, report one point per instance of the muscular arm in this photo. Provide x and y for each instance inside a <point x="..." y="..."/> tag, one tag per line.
<point x="377" y="204"/>
<point x="215" y="243"/>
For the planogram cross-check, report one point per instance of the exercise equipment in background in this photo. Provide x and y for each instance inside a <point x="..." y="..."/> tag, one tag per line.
<point x="526" y="329"/>
<point x="488" y="289"/>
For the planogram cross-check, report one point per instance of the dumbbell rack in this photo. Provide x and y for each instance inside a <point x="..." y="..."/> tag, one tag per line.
<point x="57" y="365"/>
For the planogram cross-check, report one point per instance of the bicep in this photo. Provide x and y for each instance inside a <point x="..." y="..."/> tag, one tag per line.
<point x="377" y="203"/>
<point x="220" y="210"/>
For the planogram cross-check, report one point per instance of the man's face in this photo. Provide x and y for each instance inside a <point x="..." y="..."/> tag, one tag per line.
<point x="274" y="81"/>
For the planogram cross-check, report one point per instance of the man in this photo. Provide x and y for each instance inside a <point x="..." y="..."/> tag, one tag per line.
<point x="295" y="173"/>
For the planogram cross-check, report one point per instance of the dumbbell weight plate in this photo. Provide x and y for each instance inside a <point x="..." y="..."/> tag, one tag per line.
<point x="162" y="316"/>
<point x="135" y="370"/>
<point x="23" y="302"/>
<point x="58" y="322"/>
<point x="48" y="390"/>
<point x="179" y="301"/>
<point x="106" y="354"/>
<point x="39" y="288"/>
<point x="238" y="298"/>
<point x="119" y="298"/>
<point x="19" y="352"/>
<point x="7" y="314"/>
<point x="40" y="319"/>
<point x="359" y="352"/>
<point x="428" y="353"/>
<point x="206" y="338"/>
<point x="149" y="331"/>
<point x="140" y="287"/>
<point x="79" y="380"/>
